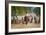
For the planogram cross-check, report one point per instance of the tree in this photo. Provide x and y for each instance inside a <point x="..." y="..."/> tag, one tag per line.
<point x="37" y="10"/>
<point x="13" y="11"/>
<point x="17" y="10"/>
<point x="28" y="9"/>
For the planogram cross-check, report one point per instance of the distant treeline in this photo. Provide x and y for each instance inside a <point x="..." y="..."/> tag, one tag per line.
<point x="17" y="10"/>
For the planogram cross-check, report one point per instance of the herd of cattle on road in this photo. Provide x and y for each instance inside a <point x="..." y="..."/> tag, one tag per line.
<point x="32" y="18"/>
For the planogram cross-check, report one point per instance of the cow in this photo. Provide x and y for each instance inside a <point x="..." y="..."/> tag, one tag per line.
<point x="12" y="20"/>
<point x="20" y="19"/>
<point x="26" y="19"/>
<point x="30" y="18"/>
<point x="37" y="19"/>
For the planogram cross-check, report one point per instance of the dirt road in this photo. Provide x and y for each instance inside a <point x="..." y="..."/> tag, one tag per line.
<point x="29" y="25"/>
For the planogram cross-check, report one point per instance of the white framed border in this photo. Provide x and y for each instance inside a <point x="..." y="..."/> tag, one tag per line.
<point x="28" y="29"/>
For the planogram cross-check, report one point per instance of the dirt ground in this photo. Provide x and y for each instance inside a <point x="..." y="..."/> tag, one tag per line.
<point x="29" y="25"/>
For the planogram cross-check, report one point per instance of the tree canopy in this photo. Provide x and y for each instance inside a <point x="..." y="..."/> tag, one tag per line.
<point x="17" y="10"/>
<point x="37" y="10"/>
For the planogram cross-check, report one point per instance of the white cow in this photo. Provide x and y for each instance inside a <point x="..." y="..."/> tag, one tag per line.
<point x="37" y="18"/>
<point x="20" y="19"/>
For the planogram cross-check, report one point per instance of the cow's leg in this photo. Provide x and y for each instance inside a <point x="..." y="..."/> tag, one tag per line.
<point x="23" y="22"/>
<point x="26" y="22"/>
<point x="31" y="20"/>
<point x="37" y="21"/>
<point x="15" y="21"/>
<point x="11" y="21"/>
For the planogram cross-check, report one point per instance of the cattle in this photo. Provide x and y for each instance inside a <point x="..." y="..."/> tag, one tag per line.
<point x="20" y="19"/>
<point x="37" y="19"/>
<point x="25" y="19"/>
<point x="11" y="19"/>
<point x="30" y="18"/>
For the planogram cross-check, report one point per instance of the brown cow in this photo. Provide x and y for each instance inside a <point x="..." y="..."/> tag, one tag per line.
<point x="26" y="19"/>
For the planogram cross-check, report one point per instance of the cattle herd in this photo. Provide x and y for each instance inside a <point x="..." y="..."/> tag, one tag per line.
<point x="25" y="19"/>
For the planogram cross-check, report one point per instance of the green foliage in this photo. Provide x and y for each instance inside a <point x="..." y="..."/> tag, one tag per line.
<point x="37" y="10"/>
<point x="20" y="10"/>
<point x="17" y="10"/>
<point x="13" y="10"/>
